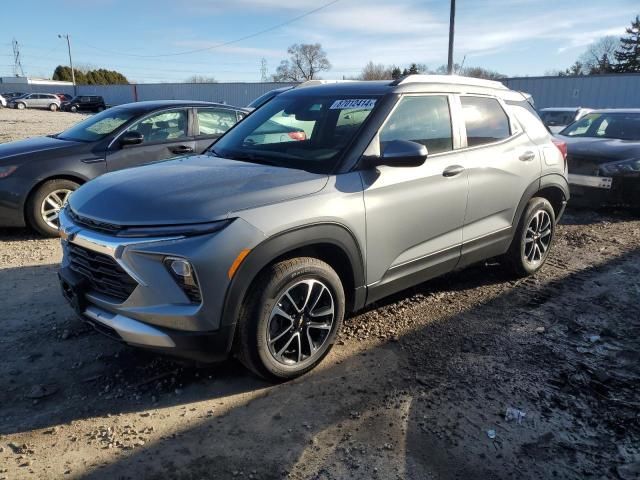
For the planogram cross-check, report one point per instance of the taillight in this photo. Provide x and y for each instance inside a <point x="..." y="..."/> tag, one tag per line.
<point x="562" y="146"/>
<point x="297" y="135"/>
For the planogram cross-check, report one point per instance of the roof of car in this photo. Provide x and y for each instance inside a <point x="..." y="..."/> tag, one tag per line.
<point x="562" y="109"/>
<point x="617" y="110"/>
<point x="410" y="84"/>
<point x="156" y="104"/>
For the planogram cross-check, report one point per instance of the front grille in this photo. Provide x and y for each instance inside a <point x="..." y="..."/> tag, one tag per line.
<point x="102" y="272"/>
<point x="582" y="165"/>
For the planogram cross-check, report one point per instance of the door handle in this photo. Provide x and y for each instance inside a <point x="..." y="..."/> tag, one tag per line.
<point x="181" y="149"/>
<point x="452" y="170"/>
<point x="527" y="156"/>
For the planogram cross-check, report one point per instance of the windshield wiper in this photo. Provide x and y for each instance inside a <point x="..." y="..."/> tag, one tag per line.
<point x="248" y="157"/>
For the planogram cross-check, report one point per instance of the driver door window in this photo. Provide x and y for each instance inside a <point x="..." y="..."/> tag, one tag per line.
<point x="163" y="127"/>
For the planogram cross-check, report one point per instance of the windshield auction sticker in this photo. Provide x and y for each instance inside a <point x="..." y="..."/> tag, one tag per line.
<point x="364" y="103"/>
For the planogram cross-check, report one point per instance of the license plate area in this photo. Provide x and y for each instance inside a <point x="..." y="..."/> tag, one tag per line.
<point x="591" y="181"/>
<point x="73" y="288"/>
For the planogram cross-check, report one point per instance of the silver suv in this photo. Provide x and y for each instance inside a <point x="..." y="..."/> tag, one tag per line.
<point x="36" y="100"/>
<point x="262" y="245"/>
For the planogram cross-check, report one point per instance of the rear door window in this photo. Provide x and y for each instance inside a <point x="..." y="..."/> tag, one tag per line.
<point x="421" y="119"/>
<point x="215" y="121"/>
<point x="485" y="120"/>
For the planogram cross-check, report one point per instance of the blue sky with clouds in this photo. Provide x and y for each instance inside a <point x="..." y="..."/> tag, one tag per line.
<point x="139" y="37"/>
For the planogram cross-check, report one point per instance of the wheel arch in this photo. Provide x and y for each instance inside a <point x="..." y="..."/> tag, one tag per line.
<point x="34" y="188"/>
<point x="332" y="243"/>
<point x="554" y="187"/>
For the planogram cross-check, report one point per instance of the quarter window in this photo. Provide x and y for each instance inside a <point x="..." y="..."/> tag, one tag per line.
<point x="424" y="120"/>
<point x="485" y="120"/>
<point x="162" y="127"/>
<point x="212" y="121"/>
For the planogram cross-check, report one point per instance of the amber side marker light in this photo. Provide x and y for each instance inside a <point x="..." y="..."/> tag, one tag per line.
<point x="236" y="263"/>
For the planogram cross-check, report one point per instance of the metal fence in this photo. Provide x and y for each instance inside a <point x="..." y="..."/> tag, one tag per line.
<point x="595" y="91"/>
<point x="239" y="94"/>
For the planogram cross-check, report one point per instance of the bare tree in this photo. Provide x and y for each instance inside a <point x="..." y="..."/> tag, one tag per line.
<point x="305" y="61"/>
<point x="200" y="79"/>
<point x="599" y="56"/>
<point x="372" y="71"/>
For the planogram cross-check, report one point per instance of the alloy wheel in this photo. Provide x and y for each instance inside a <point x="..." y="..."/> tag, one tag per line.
<point x="537" y="238"/>
<point x="301" y="322"/>
<point x="52" y="204"/>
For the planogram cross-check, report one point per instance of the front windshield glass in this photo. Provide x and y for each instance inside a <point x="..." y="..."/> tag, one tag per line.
<point x="556" y="118"/>
<point x="620" y="125"/>
<point x="305" y="132"/>
<point x="98" y="126"/>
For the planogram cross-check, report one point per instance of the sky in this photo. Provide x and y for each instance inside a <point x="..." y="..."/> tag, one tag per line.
<point x="154" y="40"/>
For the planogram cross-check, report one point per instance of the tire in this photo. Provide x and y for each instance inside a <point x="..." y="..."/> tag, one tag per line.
<point x="73" y="108"/>
<point x="261" y="344"/>
<point x="20" y="106"/>
<point x="36" y="206"/>
<point x="53" y="107"/>
<point x="536" y="229"/>
<point x="100" y="109"/>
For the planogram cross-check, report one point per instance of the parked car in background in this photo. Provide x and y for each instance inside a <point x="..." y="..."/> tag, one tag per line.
<point x="260" y="248"/>
<point x="36" y="100"/>
<point x="84" y="103"/>
<point x="10" y="95"/>
<point x="264" y="98"/>
<point x="558" y="118"/>
<point x="3" y="102"/>
<point x="64" y="97"/>
<point x="603" y="153"/>
<point x="38" y="174"/>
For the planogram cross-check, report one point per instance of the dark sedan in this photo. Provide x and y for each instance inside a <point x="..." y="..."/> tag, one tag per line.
<point x="37" y="175"/>
<point x="604" y="157"/>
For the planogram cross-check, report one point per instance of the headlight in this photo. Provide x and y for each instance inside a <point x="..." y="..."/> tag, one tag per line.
<point x="8" y="170"/>
<point x="626" y="166"/>
<point x="174" y="230"/>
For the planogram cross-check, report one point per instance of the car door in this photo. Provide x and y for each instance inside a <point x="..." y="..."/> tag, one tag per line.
<point x="502" y="162"/>
<point x="165" y="134"/>
<point x="32" y="100"/>
<point x="210" y="123"/>
<point x="415" y="215"/>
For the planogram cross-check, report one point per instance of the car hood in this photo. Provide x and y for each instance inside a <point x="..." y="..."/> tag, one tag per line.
<point x="602" y="150"/>
<point x="193" y="189"/>
<point x="33" y="145"/>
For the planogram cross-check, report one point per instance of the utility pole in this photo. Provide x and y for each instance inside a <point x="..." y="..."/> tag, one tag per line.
<point x="263" y="70"/>
<point x="73" y="75"/>
<point x="452" y="19"/>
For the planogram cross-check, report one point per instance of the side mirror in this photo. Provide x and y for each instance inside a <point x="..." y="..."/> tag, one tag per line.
<point x="400" y="153"/>
<point x="131" y="138"/>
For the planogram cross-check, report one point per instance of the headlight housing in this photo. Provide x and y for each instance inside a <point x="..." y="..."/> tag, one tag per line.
<point x="617" y="168"/>
<point x="188" y="230"/>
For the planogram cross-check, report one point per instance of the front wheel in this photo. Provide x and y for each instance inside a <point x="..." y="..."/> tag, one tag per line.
<point x="73" y="108"/>
<point x="532" y="242"/>
<point x="45" y="204"/>
<point x="290" y="318"/>
<point x="20" y="106"/>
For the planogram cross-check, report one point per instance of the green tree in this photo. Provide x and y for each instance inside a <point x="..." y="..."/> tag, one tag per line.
<point x="628" y="53"/>
<point x="99" y="76"/>
<point x="396" y="73"/>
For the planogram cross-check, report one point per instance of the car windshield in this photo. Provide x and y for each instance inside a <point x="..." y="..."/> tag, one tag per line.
<point x="620" y="125"/>
<point x="295" y="131"/>
<point x="558" y="117"/>
<point x="98" y="126"/>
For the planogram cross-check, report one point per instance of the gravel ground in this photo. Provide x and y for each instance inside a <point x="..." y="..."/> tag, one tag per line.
<point x="473" y="375"/>
<point x="18" y="124"/>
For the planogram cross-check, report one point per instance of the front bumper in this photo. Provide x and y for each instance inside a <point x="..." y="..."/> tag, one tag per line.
<point x="591" y="190"/>
<point x="156" y="314"/>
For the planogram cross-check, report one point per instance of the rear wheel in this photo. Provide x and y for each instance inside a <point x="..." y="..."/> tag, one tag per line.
<point x="532" y="242"/>
<point x="100" y="109"/>
<point x="290" y="318"/>
<point x="53" y="107"/>
<point x="45" y="204"/>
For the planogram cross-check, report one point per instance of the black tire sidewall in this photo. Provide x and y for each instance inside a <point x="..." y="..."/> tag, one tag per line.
<point x="273" y="286"/>
<point x="33" y="216"/>
<point x="533" y="207"/>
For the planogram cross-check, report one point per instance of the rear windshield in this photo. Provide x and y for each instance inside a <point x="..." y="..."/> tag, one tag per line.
<point x="98" y="126"/>
<point x="555" y="119"/>
<point x="620" y="125"/>
<point x="295" y="131"/>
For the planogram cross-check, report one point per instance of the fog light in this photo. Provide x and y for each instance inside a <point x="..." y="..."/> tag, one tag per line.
<point x="185" y="277"/>
<point x="180" y="267"/>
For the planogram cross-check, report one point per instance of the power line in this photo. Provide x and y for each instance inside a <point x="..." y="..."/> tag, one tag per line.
<point x="224" y="44"/>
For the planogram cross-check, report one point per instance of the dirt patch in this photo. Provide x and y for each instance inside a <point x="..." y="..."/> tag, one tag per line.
<point x="18" y="124"/>
<point x="418" y="386"/>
